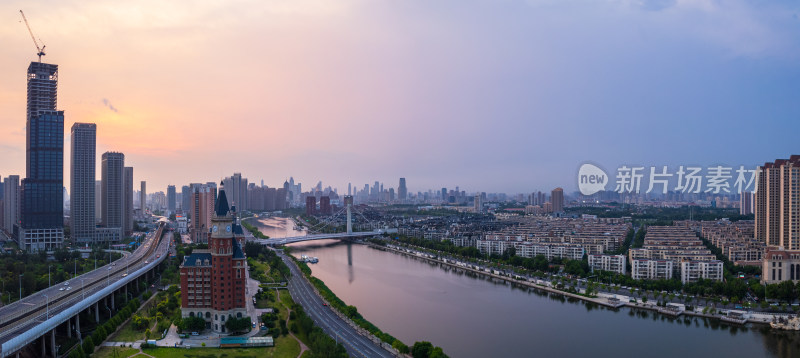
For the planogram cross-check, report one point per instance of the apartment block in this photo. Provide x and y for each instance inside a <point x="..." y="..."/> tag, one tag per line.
<point x="612" y="263"/>
<point x="642" y="269"/>
<point x="691" y="271"/>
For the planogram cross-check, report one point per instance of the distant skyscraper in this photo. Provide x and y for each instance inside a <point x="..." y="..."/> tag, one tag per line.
<point x="42" y="189"/>
<point x="186" y="198"/>
<point x="171" y="198"/>
<point x="311" y="205"/>
<point x="236" y="191"/>
<point x="82" y="182"/>
<point x="127" y="197"/>
<point x="557" y="199"/>
<point x="746" y="203"/>
<point x="444" y="194"/>
<point x="112" y="176"/>
<point x="143" y="197"/>
<point x="402" y="191"/>
<point x="325" y="205"/>
<point x="478" y="203"/>
<point x="11" y="203"/>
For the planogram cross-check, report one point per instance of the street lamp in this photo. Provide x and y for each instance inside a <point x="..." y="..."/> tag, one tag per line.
<point x="48" y="275"/>
<point x="47" y="314"/>
<point x="83" y="291"/>
<point x="20" y="287"/>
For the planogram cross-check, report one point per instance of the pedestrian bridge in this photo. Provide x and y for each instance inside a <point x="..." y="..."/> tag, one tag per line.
<point x="341" y="235"/>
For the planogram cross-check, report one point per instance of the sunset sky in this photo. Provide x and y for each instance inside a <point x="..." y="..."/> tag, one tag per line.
<point x="492" y="96"/>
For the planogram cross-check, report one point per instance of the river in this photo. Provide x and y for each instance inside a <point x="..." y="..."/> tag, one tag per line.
<point x="471" y="315"/>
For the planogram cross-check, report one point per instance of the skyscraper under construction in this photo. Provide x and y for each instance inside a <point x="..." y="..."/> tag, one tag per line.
<point x="42" y="225"/>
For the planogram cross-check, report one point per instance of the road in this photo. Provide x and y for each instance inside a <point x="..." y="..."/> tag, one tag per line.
<point x="302" y="293"/>
<point x="20" y="316"/>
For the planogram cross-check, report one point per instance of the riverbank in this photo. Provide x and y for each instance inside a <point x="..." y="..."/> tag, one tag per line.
<point x="610" y="300"/>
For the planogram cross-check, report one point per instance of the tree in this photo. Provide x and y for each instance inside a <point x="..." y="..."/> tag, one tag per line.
<point x="351" y="311"/>
<point x="88" y="346"/>
<point x="437" y="352"/>
<point x="400" y="346"/>
<point x="147" y="333"/>
<point x="421" y="349"/>
<point x="238" y="324"/>
<point x="192" y="324"/>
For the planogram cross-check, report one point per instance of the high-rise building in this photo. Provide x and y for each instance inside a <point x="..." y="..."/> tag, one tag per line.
<point x="11" y="203"/>
<point x="186" y="198"/>
<point x="171" y="198"/>
<point x="777" y="203"/>
<point x="402" y="191"/>
<point x="478" y="203"/>
<point x="143" y="197"/>
<point x="127" y="197"/>
<point x="42" y="211"/>
<point x="201" y="210"/>
<point x="557" y="199"/>
<point x="82" y="182"/>
<point x="325" y="205"/>
<point x="236" y="187"/>
<point x="112" y="176"/>
<point x="745" y="203"/>
<point x="98" y="201"/>
<point x="222" y="266"/>
<point x="311" y="205"/>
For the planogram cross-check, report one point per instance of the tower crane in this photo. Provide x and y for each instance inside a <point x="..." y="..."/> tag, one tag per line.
<point x="40" y="50"/>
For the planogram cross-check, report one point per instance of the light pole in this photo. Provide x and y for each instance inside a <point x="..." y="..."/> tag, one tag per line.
<point x="83" y="291"/>
<point x="48" y="275"/>
<point x="20" y="287"/>
<point x="108" y="277"/>
<point x="47" y="314"/>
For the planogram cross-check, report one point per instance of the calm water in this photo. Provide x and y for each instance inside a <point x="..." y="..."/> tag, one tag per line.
<point x="276" y="227"/>
<point x="473" y="316"/>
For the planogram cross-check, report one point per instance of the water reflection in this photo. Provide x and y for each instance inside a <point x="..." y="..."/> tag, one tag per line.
<point x="351" y="276"/>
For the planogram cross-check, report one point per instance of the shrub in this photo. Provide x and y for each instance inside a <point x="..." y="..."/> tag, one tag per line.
<point x="88" y="346"/>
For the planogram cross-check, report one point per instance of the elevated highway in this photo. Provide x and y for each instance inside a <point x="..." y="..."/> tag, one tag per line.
<point x="40" y="314"/>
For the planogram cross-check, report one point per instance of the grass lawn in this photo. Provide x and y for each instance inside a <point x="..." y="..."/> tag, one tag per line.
<point x="285" y="347"/>
<point x="306" y="354"/>
<point x="127" y="334"/>
<point x="114" y="352"/>
<point x="263" y="303"/>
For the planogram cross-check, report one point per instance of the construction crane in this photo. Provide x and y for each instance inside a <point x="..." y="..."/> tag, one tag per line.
<point x="40" y="50"/>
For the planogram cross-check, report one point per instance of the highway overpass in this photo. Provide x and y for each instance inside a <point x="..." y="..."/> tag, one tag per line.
<point x="34" y="318"/>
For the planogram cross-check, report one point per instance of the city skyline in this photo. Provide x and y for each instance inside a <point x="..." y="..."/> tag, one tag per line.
<point x="489" y="88"/>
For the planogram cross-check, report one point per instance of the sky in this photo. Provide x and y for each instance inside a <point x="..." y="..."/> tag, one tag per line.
<point x="495" y="95"/>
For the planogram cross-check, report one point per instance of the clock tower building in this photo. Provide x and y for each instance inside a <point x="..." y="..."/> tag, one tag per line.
<point x="213" y="280"/>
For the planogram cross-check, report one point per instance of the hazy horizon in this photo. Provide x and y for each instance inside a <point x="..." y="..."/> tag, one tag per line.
<point x="494" y="96"/>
